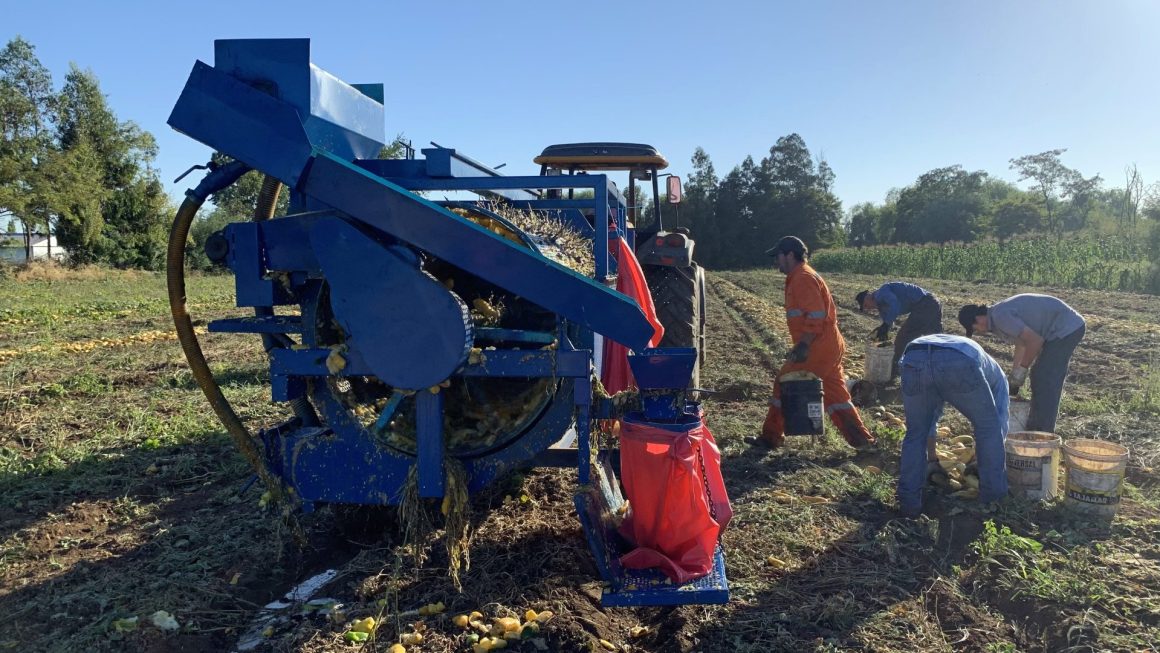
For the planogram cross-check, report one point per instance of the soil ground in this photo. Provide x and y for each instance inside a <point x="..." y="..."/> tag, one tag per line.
<point x="123" y="496"/>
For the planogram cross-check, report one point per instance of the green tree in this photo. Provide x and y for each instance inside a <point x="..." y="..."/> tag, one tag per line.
<point x="727" y="245"/>
<point x="26" y="111"/>
<point x="699" y="200"/>
<point x="73" y="198"/>
<point x="944" y="204"/>
<point x="737" y="218"/>
<point x="1132" y="197"/>
<point x="826" y="175"/>
<point x="862" y="226"/>
<point x="1015" y="216"/>
<point x="796" y="197"/>
<point x="1051" y="179"/>
<point x="128" y="230"/>
<point x="136" y="223"/>
<point x="789" y="168"/>
<point x="1083" y="197"/>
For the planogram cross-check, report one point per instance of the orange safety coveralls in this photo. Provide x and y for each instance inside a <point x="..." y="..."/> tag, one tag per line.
<point x="809" y="308"/>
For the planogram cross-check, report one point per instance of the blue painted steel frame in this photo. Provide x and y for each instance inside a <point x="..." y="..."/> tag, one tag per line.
<point x="264" y="104"/>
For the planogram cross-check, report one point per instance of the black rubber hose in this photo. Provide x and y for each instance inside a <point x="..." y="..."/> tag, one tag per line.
<point x="213" y="182"/>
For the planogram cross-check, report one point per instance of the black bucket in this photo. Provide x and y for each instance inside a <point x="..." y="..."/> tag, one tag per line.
<point x="801" y="404"/>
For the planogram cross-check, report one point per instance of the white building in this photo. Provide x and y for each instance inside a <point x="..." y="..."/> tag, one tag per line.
<point x="13" y="250"/>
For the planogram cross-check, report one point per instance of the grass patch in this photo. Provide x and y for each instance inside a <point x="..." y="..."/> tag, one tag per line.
<point x="1143" y="398"/>
<point x="122" y="497"/>
<point x="1147" y="398"/>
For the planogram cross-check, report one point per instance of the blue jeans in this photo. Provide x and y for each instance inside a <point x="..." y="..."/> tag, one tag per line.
<point x="932" y="377"/>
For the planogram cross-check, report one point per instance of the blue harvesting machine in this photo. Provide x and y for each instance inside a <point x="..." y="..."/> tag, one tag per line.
<point x="410" y="334"/>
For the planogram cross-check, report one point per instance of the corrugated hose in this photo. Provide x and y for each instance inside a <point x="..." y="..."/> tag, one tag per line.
<point x="218" y="178"/>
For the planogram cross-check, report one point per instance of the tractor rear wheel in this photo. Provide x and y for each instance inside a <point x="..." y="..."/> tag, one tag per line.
<point x="678" y="295"/>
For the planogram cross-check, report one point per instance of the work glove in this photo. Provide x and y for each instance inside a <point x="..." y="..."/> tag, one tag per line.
<point x="799" y="353"/>
<point x="881" y="333"/>
<point x="1016" y="379"/>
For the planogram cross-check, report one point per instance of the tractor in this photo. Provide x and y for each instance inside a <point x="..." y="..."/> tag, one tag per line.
<point x="675" y="281"/>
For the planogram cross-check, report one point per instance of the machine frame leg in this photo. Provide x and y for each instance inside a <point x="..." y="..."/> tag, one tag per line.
<point x="429" y="413"/>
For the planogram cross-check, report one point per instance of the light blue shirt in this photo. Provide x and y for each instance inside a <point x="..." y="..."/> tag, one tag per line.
<point x="994" y="375"/>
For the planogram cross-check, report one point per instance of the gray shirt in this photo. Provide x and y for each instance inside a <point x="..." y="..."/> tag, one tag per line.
<point x="1045" y="315"/>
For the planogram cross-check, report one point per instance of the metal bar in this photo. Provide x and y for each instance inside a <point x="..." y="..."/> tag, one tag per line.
<point x="557" y="204"/>
<point x="271" y="324"/>
<point x="496" y="183"/>
<point x="582" y="396"/>
<point x="388" y="413"/>
<point x="600" y="223"/>
<point x="250" y="288"/>
<point x="444" y="164"/>
<point x="445" y="161"/>
<point x="429" y="427"/>
<point x="514" y="335"/>
<point x="538" y="363"/>
<point x="657" y="204"/>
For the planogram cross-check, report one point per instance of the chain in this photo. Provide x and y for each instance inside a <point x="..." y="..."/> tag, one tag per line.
<point x="708" y="492"/>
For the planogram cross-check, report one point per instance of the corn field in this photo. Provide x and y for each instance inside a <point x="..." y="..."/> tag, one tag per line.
<point x="1110" y="263"/>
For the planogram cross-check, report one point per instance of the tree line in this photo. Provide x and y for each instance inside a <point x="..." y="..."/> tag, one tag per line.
<point x="735" y="218"/>
<point x="69" y="167"/>
<point x="955" y="205"/>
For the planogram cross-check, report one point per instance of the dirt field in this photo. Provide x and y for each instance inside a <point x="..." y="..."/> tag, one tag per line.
<point x="123" y="496"/>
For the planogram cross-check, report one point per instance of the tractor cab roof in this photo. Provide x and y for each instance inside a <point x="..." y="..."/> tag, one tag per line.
<point x="602" y="156"/>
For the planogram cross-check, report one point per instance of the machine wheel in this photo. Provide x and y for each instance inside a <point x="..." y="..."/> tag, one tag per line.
<point x="677" y="293"/>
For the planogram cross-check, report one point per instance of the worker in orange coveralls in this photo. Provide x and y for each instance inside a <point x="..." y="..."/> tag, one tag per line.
<point x="817" y="347"/>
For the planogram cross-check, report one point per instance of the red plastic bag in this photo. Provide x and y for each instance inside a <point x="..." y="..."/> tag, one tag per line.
<point x="615" y="374"/>
<point x="669" y="517"/>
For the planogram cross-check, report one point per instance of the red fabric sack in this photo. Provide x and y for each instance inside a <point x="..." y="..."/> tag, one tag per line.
<point x="669" y="518"/>
<point x="615" y="374"/>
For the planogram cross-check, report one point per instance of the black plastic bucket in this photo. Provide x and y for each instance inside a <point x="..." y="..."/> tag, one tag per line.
<point x="801" y="405"/>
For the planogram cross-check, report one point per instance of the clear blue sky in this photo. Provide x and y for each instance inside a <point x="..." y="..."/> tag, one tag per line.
<point x="885" y="90"/>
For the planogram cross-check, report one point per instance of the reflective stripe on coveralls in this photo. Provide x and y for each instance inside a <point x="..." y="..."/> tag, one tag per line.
<point x="810" y="309"/>
<point x="842" y="406"/>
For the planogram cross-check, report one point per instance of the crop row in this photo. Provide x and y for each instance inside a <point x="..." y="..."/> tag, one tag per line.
<point x="1097" y="263"/>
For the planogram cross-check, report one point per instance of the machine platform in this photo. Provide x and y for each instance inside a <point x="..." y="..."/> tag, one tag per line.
<point x="597" y="505"/>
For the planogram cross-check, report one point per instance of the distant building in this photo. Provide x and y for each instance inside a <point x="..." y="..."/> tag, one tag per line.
<point x="13" y="249"/>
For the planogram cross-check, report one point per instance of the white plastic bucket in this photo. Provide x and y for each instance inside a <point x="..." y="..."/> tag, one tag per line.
<point x="1095" y="476"/>
<point x="1017" y="413"/>
<point x="879" y="360"/>
<point x="1033" y="464"/>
